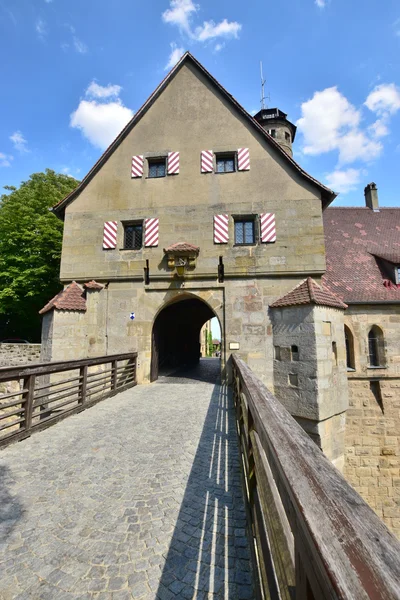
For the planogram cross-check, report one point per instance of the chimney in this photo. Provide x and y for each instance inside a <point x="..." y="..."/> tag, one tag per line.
<point x="371" y="196"/>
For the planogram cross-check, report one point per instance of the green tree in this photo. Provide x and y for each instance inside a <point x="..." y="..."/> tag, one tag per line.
<point x="210" y="346"/>
<point x="30" y="251"/>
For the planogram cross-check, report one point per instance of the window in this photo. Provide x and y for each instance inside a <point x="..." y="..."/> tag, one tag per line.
<point x="293" y="379"/>
<point x="375" y="347"/>
<point x="277" y="352"/>
<point x="287" y="136"/>
<point x="272" y="132"/>
<point x="225" y="163"/>
<point x="157" y="167"/>
<point x="397" y="273"/>
<point x="294" y="352"/>
<point x="334" y="353"/>
<point x="133" y="236"/>
<point x="349" y="341"/>
<point x="245" y="231"/>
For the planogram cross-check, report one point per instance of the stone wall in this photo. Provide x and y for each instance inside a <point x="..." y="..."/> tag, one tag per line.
<point x="12" y="355"/>
<point x="372" y="464"/>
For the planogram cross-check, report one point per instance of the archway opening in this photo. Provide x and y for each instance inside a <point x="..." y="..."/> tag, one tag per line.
<point x="176" y="335"/>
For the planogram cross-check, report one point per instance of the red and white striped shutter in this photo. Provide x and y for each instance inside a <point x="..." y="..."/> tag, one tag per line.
<point x="221" y="235"/>
<point x="243" y="159"/>
<point x="151" y="227"/>
<point x="173" y="163"/>
<point x="207" y="161"/>
<point x="110" y="235"/>
<point x="137" y="166"/>
<point x="268" y="228"/>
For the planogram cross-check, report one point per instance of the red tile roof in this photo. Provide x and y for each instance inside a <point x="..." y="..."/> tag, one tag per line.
<point x="309" y="292"/>
<point x="182" y="247"/>
<point x="93" y="285"/>
<point x="71" y="298"/>
<point x="356" y="239"/>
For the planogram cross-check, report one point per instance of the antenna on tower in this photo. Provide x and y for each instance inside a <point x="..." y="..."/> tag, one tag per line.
<point x="263" y="96"/>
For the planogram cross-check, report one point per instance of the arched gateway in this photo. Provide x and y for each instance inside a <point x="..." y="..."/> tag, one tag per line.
<point x="176" y="333"/>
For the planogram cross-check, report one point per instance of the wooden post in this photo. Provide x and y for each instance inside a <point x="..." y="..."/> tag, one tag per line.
<point x="29" y="386"/>
<point x="114" y="366"/>
<point x="82" y="389"/>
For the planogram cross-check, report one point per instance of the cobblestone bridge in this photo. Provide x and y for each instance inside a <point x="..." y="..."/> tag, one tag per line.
<point x="138" y="497"/>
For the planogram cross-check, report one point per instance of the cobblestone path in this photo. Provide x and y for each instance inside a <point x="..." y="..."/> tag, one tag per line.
<point x="138" y="497"/>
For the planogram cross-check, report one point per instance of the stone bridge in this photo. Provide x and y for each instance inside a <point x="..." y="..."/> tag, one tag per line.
<point x="149" y="495"/>
<point x="139" y="497"/>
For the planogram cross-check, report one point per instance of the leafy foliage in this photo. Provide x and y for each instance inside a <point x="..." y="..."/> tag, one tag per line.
<point x="30" y="251"/>
<point x="210" y="347"/>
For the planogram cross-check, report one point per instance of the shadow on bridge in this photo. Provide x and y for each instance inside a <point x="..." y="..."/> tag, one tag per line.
<point x="209" y="550"/>
<point x="207" y="370"/>
<point x="10" y="508"/>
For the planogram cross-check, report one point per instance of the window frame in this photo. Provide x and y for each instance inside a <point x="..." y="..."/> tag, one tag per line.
<point x="135" y="223"/>
<point x="376" y="337"/>
<point x="349" y="346"/>
<point x="225" y="156"/>
<point x="151" y="160"/>
<point x="245" y="219"/>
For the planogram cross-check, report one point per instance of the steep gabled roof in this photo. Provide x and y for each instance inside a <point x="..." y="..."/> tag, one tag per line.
<point x="327" y="195"/>
<point x="71" y="298"/>
<point x="357" y="241"/>
<point x="309" y="292"/>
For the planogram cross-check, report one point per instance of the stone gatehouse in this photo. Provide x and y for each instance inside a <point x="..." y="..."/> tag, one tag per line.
<point x="198" y="210"/>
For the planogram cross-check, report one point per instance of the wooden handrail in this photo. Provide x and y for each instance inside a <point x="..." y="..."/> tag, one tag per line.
<point x="38" y="397"/>
<point x="316" y="537"/>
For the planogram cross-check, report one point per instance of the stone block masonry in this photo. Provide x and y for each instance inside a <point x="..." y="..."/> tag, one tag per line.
<point x="372" y="464"/>
<point x="12" y="355"/>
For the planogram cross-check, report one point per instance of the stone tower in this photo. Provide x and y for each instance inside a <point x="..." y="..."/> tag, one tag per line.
<point x="274" y="121"/>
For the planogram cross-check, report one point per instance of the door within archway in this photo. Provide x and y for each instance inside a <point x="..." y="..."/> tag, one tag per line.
<point x="176" y="335"/>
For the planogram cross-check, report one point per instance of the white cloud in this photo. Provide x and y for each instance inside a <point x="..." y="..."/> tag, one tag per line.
<point x="210" y="30"/>
<point x="320" y="3"/>
<point x="99" y="122"/>
<point x="379" y="128"/>
<point x="181" y="12"/>
<point x="19" y="142"/>
<point x="41" y="28"/>
<point x="219" y="47"/>
<point x="325" y="119"/>
<point x="5" y="160"/>
<point x="79" y="46"/>
<point x="356" y="145"/>
<point x="99" y="91"/>
<point x="175" y="54"/>
<point x="396" y="27"/>
<point x="344" y="181"/>
<point x="384" y="100"/>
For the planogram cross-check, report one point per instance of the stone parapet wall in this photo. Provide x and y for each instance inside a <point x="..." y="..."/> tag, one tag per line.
<point x="12" y="355"/>
<point x="372" y="463"/>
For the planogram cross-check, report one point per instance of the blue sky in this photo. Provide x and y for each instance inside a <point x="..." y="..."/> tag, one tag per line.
<point x="74" y="71"/>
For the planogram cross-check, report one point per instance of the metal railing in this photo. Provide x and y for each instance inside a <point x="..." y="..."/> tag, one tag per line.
<point x="315" y="536"/>
<point x="36" y="396"/>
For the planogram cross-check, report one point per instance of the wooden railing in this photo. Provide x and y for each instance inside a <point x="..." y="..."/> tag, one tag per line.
<point x="36" y="396"/>
<point x="316" y="538"/>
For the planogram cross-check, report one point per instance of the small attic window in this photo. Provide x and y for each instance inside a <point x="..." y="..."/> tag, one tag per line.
<point x="272" y="132"/>
<point x="397" y="274"/>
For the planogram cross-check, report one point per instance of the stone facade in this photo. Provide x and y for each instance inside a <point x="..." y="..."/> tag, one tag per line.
<point x="372" y="463"/>
<point x="189" y="114"/>
<point x="310" y="372"/>
<point x="12" y="355"/>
